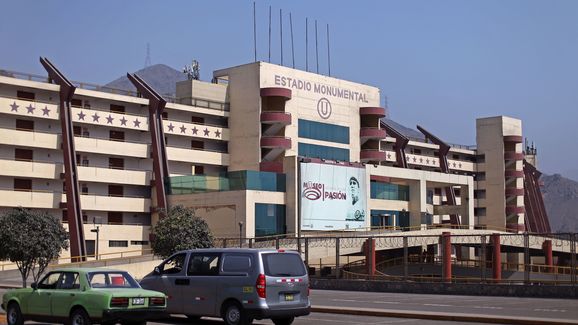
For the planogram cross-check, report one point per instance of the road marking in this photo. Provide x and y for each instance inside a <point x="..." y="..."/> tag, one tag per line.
<point x="386" y="302"/>
<point x="551" y="310"/>
<point x="438" y="305"/>
<point x="487" y="307"/>
<point x="347" y="300"/>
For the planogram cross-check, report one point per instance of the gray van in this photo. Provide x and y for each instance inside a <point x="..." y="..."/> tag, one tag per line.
<point x="236" y="284"/>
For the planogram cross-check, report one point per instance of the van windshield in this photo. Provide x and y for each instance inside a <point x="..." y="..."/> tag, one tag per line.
<point x="281" y="264"/>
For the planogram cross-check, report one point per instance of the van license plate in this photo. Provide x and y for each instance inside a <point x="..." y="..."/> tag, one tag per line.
<point x="288" y="297"/>
<point x="138" y="301"/>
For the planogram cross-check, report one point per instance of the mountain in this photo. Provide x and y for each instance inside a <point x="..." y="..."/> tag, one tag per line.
<point x="159" y="76"/>
<point x="561" y="201"/>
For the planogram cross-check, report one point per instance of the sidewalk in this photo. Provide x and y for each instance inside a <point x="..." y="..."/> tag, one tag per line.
<point x="456" y="317"/>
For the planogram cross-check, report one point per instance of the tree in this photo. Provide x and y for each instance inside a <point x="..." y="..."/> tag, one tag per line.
<point x="31" y="239"/>
<point x="179" y="230"/>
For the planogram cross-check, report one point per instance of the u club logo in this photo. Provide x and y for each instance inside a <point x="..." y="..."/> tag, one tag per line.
<point x="324" y="108"/>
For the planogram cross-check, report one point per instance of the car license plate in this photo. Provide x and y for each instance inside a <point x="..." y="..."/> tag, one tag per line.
<point x="288" y="297"/>
<point x="138" y="301"/>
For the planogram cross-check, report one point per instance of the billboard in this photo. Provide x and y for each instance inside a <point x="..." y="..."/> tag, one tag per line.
<point x="333" y="197"/>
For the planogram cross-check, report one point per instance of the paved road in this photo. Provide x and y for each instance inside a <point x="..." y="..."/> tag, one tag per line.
<point x="498" y="306"/>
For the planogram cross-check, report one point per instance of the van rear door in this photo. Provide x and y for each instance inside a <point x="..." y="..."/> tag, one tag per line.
<point x="287" y="283"/>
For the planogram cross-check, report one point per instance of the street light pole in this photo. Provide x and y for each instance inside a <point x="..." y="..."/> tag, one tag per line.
<point x="240" y="234"/>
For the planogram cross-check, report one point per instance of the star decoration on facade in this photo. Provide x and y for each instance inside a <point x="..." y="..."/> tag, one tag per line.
<point x="454" y="165"/>
<point x="183" y="129"/>
<point x="206" y="132"/>
<point x="433" y="162"/>
<point x="460" y="165"/>
<point x="421" y="160"/>
<point x="414" y="159"/>
<point x="406" y="157"/>
<point x="95" y="118"/>
<point x="81" y="115"/>
<point x="123" y="121"/>
<point x="14" y="107"/>
<point x="30" y="109"/>
<point x="171" y="127"/>
<point x="218" y="134"/>
<point x="427" y="161"/>
<point x="45" y="111"/>
<point x="109" y="119"/>
<point x="136" y="123"/>
<point x="388" y="156"/>
<point x="195" y="130"/>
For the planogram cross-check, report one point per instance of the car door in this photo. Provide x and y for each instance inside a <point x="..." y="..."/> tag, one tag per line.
<point x="39" y="302"/>
<point x="200" y="294"/>
<point x="172" y="279"/>
<point x="65" y="294"/>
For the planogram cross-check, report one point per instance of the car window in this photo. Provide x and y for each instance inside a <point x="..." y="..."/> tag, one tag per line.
<point x="111" y="280"/>
<point x="203" y="264"/>
<point x="282" y="264"/>
<point x="50" y="281"/>
<point x="174" y="264"/>
<point x="69" y="281"/>
<point x="237" y="263"/>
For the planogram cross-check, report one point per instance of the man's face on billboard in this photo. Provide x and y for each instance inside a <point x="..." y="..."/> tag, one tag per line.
<point x="354" y="187"/>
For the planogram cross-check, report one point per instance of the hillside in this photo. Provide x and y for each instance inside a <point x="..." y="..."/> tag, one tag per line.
<point x="561" y="200"/>
<point x="161" y="77"/>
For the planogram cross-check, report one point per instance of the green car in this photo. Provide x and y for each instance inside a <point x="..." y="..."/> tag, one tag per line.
<point x="80" y="296"/>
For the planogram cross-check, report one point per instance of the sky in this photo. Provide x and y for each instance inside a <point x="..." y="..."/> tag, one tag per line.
<point x="441" y="64"/>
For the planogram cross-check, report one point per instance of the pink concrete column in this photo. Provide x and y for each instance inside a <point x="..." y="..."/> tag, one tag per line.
<point x="547" y="247"/>
<point x="447" y="256"/>
<point x="369" y="250"/>
<point x="497" y="257"/>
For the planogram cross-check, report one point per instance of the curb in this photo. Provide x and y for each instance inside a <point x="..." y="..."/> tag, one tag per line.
<point x="456" y="317"/>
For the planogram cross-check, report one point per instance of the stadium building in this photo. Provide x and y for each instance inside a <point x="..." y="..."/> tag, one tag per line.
<point x="262" y="149"/>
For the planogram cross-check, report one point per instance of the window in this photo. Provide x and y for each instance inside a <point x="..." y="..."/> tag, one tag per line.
<point x="417" y="151"/>
<point x="84" y="189"/>
<point x="24" y="125"/>
<point x="64" y="215"/>
<point x="237" y="263"/>
<point x="389" y="191"/>
<point x="85" y="133"/>
<point x="50" y="281"/>
<point x="174" y="265"/>
<point x="114" y="217"/>
<point x="90" y="247"/>
<point x="269" y="219"/>
<point x="199" y="170"/>
<point x="21" y="184"/>
<point x="116" y="108"/>
<point x="457" y="192"/>
<point x="116" y="163"/>
<point x="139" y="242"/>
<point x="85" y="161"/>
<point x="76" y="130"/>
<point x="116" y="135"/>
<point x="479" y="212"/>
<point x="456" y="157"/>
<point x="480" y="176"/>
<point x="198" y="120"/>
<point x="479" y="194"/>
<point x="117" y="243"/>
<point x="23" y="154"/>
<point x="323" y="131"/>
<point x="203" y="264"/>
<point x="323" y="152"/>
<point x="197" y="144"/>
<point x="165" y="115"/>
<point x="111" y="279"/>
<point x="26" y="95"/>
<point x="115" y="190"/>
<point x="76" y="102"/>
<point x="69" y="281"/>
<point x="281" y="264"/>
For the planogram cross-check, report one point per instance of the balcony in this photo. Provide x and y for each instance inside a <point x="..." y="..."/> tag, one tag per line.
<point x="109" y="119"/>
<point x="30" y="169"/>
<point x="513" y="138"/>
<point x="93" y="202"/>
<point x="514" y="173"/>
<point x="30" y="199"/>
<point x="113" y="176"/>
<point x="372" y="111"/>
<point x="271" y="166"/>
<point x="109" y="147"/>
<point x="369" y="155"/>
<point x="283" y="93"/>
<point x="32" y="139"/>
<point x="277" y="146"/>
<point x="513" y="156"/>
<point x="512" y="191"/>
<point x="512" y="209"/>
<point x="275" y="122"/>
<point x="15" y="106"/>
<point x="201" y="131"/>
<point x="371" y="134"/>
<point x="197" y="156"/>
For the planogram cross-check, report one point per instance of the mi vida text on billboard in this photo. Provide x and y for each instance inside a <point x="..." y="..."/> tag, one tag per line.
<point x="318" y="88"/>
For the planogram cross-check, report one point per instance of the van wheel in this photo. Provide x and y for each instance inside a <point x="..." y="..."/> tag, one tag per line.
<point x="283" y="321"/>
<point x="14" y="315"/>
<point x="234" y="314"/>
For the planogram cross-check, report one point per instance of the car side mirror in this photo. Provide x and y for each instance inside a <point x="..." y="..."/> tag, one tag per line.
<point x="157" y="270"/>
<point x="34" y="286"/>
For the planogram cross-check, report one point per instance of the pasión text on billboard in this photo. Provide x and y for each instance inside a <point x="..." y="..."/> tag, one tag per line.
<point x="320" y="88"/>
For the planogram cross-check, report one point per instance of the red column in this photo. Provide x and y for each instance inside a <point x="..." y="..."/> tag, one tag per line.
<point x="447" y="256"/>
<point x="547" y="247"/>
<point x="497" y="257"/>
<point x="369" y="248"/>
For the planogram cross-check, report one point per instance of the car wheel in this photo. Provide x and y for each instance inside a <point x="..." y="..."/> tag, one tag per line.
<point x="14" y="315"/>
<point x="79" y="317"/>
<point x="283" y="321"/>
<point x="234" y="314"/>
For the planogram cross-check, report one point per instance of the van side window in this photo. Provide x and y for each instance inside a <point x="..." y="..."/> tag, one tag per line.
<point x="174" y="264"/>
<point x="237" y="263"/>
<point x="203" y="264"/>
